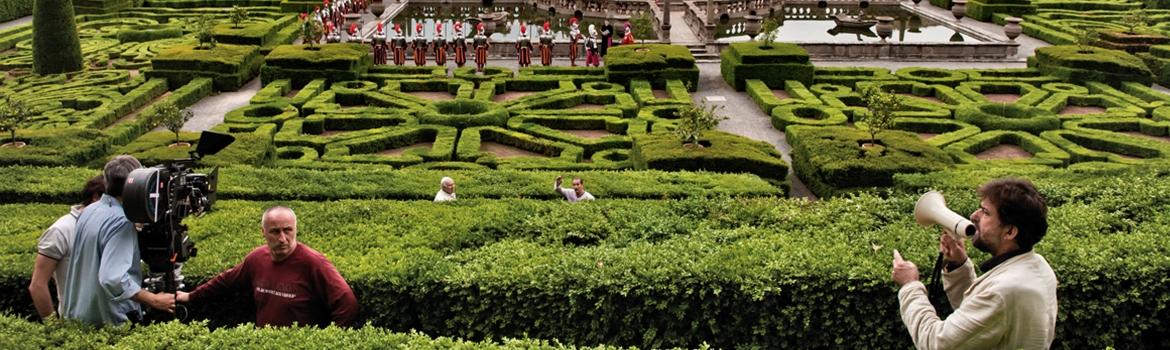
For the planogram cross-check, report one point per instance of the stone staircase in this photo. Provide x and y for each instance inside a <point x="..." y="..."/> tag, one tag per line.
<point x="700" y="52"/>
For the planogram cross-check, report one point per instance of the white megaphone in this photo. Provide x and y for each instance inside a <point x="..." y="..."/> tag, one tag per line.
<point x="932" y="209"/>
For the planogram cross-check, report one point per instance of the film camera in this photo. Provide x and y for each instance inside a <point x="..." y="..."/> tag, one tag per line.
<point x="159" y="198"/>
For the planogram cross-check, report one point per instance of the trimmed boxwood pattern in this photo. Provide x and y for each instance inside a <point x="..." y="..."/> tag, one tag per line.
<point x="832" y="161"/>
<point x="773" y="65"/>
<point x="948" y="130"/>
<point x="1007" y="116"/>
<point x="723" y="152"/>
<point x="363" y="149"/>
<point x="1079" y="65"/>
<point x="1043" y="152"/>
<point x="661" y="63"/>
<point x="333" y="62"/>
<point x="230" y="66"/>
<point x="807" y="114"/>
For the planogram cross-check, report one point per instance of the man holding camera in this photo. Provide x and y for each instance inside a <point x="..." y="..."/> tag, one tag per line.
<point x="290" y="282"/>
<point x="1013" y="305"/>
<point x="104" y="283"/>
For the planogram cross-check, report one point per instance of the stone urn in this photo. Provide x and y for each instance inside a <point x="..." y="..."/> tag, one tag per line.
<point x="489" y="23"/>
<point x="752" y="27"/>
<point x="377" y="8"/>
<point x="916" y="2"/>
<point x="959" y="9"/>
<point x="1012" y="30"/>
<point x="885" y="27"/>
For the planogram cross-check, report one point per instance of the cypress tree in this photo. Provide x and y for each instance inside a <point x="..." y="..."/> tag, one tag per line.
<point x="56" y="46"/>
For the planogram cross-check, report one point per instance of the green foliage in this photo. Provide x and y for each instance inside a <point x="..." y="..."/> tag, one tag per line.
<point x="56" y="147"/>
<point x="983" y="10"/>
<point x="693" y="121"/>
<point x="1087" y="37"/>
<point x="205" y="30"/>
<point x="230" y="66"/>
<point x="1134" y="20"/>
<point x="832" y="161"/>
<point x="773" y="64"/>
<point x="643" y="26"/>
<point x="1079" y="65"/>
<point x="302" y="64"/>
<point x="1043" y="152"/>
<point x="657" y="65"/>
<point x="238" y="15"/>
<point x="881" y="105"/>
<point x="13" y="115"/>
<point x="171" y="117"/>
<point x="311" y="31"/>
<point x="768" y="31"/>
<point x="10" y="10"/>
<point x="723" y="152"/>
<point x="56" y="46"/>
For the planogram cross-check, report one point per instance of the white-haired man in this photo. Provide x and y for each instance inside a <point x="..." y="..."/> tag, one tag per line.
<point x="446" y="191"/>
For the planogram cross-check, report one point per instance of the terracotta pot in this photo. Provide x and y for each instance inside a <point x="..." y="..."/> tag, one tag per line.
<point x="1012" y="30"/>
<point x="752" y="27"/>
<point x="884" y="27"/>
<point x="180" y="144"/>
<point x="959" y="9"/>
<point x="17" y="144"/>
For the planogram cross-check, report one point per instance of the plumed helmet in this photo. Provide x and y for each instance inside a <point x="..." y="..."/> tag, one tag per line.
<point x="353" y="28"/>
<point x="523" y="29"/>
<point x="545" y="27"/>
<point x="573" y="20"/>
<point x="480" y="26"/>
<point x="398" y="28"/>
<point x="592" y="30"/>
<point x="418" y="28"/>
<point x="458" y="25"/>
<point x="627" y="25"/>
<point x="439" y="28"/>
<point x="379" y="27"/>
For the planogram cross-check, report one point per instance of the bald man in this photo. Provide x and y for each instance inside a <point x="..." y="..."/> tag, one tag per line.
<point x="290" y="282"/>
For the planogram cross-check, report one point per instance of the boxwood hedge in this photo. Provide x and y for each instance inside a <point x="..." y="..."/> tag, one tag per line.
<point x="832" y="161"/>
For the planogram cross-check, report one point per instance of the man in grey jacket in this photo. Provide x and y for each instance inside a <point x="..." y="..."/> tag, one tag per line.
<point x="1013" y="304"/>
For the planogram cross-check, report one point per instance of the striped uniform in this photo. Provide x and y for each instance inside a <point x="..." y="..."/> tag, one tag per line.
<point x="481" y="51"/>
<point x="459" y="45"/>
<point x="546" y="47"/>
<point x="420" y="50"/>
<point x="399" y="46"/>
<point x="440" y="46"/>
<point x="524" y="50"/>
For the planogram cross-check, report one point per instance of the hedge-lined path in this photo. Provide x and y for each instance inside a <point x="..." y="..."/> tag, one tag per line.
<point x="209" y="112"/>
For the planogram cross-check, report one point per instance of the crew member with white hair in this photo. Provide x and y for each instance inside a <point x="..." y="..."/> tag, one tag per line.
<point x="446" y="191"/>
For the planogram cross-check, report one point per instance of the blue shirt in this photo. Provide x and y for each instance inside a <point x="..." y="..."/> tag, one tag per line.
<point x="106" y="270"/>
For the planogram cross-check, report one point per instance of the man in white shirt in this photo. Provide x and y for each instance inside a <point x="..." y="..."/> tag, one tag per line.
<point x="53" y="251"/>
<point x="446" y="191"/>
<point x="574" y="195"/>
<point x="1013" y="304"/>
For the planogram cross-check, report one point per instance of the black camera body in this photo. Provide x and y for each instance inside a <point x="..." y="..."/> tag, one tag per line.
<point x="159" y="198"/>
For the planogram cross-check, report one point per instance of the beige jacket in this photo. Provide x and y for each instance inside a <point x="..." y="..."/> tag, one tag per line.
<point x="1013" y="306"/>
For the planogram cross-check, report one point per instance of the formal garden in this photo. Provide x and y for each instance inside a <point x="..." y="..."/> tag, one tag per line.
<point x="696" y="239"/>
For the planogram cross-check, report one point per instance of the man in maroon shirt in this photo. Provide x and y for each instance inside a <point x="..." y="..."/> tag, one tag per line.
<point x="290" y="282"/>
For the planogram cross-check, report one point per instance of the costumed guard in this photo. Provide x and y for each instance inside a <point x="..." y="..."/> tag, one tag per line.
<point x="355" y="34"/>
<point x="333" y="36"/>
<point x="524" y="47"/>
<point x="574" y="36"/>
<point x="546" y="46"/>
<point x="628" y="39"/>
<point x="398" y="45"/>
<point x="591" y="54"/>
<point x="440" y="46"/>
<point x="420" y="46"/>
<point x="379" y="44"/>
<point x="459" y="45"/>
<point x="481" y="49"/>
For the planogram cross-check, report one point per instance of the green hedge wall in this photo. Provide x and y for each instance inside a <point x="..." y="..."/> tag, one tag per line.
<point x="1104" y="146"/>
<point x="849" y="76"/>
<point x="948" y="130"/>
<point x="365" y="149"/>
<point x="762" y="95"/>
<point x="1007" y="116"/>
<point x="983" y="10"/>
<point x="1043" y="152"/>
<point x="55" y="147"/>
<point x="333" y="62"/>
<point x="661" y="63"/>
<point x="832" y="162"/>
<point x="59" y="47"/>
<point x="13" y="9"/>
<point x="812" y="115"/>
<point x="230" y="66"/>
<point x="773" y="65"/>
<point x="1078" y="66"/>
<point x="723" y="152"/>
<point x="1016" y="75"/>
<point x="946" y="77"/>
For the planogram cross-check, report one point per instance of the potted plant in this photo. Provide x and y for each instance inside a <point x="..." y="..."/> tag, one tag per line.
<point x="12" y="116"/>
<point x="881" y="105"/>
<point x="172" y="118"/>
<point x="694" y="120"/>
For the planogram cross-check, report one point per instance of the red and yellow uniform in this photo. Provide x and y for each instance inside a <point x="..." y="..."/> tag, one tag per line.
<point x="524" y="48"/>
<point x="420" y="46"/>
<point x="546" y="46"/>
<point x="459" y="45"/>
<point x="379" y="45"/>
<point x="440" y="46"/>
<point x="481" y="49"/>
<point x="574" y="36"/>
<point x="398" y="45"/>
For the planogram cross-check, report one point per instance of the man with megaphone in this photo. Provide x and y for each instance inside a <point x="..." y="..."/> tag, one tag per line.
<point x="1013" y="304"/>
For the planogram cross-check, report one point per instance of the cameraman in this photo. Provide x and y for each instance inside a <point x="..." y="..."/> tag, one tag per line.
<point x="1013" y="305"/>
<point x="104" y="283"/>
<point x="290" y="282"/>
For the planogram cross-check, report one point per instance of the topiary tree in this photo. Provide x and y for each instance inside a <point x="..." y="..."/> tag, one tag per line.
<point x="56" y="46"/>
<point x="238" y="15"/>
<point x="172" y="118"/>
<point x="768" y="29"/>
<point x="205" y="30"/>
<point x="642" y="26"/>
<point x="13" y="115"/>
<point x="694" y="120"/>
<point x="1087" y="37"/>
<point x="881" y="105"/>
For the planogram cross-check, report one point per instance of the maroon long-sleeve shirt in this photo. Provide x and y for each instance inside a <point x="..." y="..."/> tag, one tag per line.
<point x="304" y="288"/>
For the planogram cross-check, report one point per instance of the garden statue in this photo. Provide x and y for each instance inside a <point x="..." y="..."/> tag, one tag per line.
<point x="628" y="39"/>
<point x="574" y="35"/>
<point x="524" y="48"/>
<point x="481" y="49"/>
<point x="459" y="45"/>
<point x="379" y="44"/>
<point x="591" y="54"/>
<point x="546" y="46"/>
<point x="398" y="44"/>
<point x="440" y="46"/>
<point x="420" y="46"/>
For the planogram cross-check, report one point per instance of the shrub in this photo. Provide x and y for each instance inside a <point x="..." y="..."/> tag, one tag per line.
<point x="1080" y="65"/>
<point x="659" y="64"/>
<point x="56" y="147"/>
<point x="333" y="62"/>
<point x="693" y="121"/>
<point x="723" y="153"/>
<point x="10" y="10"/>
<point x="982" y="10"/>
<point x="881" y="106"/>
<point x="230" y="66"/>
<point x="948" y="130"/>
<point x="1004" y="116"/>
<point x="773" y="65"/>
<point x="172" y="118"/>
<point x="13" y="116"/>
<point x="1105" y="146"/>
<point x="56" y="47"/>
<point x="1043" y="152"/>
<point x="832" y="161"/>
<point x="946" y="77"/>
<point x="849" y="76"/>
<point x="463" y="114"/>
<point x="800" y="114"/>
